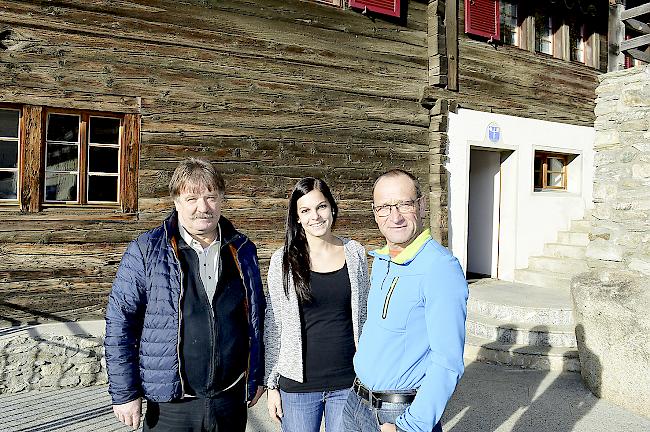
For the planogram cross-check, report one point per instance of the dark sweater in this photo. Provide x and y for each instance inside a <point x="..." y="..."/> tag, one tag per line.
<point x="214" y="342"/>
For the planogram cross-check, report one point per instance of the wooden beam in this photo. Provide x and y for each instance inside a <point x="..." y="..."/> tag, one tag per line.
<point x="451" y="33"/>
<point x="636" y="42"/>
<point x="31" y="191"/>
<point x="130" y="163"/>
<point x="640" y="55"/>
<point x="638" y="25"/>
<point x="615" y="36"/>
<point x="636" y="11"/>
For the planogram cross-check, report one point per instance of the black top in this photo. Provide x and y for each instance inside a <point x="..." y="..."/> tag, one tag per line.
<point x="327" y="335"/>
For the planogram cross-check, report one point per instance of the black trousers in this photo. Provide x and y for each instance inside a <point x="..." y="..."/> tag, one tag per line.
<point x="224" y="413"/>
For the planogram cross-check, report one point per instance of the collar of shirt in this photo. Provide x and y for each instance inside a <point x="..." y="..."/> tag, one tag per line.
<point x="195" y="244"/>
<point x="209" y="261"/>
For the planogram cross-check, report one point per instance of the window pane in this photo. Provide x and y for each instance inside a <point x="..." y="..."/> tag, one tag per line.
<point x="103" y="159"/>
<point x="538" y="163"/>
<point x="8" y="185"/>
<point x="555" y="180"/>
<point x="60" y="187"/>
<point x="104" y="130"/>
<point x="62" y="127"/>
<point x="8" y="154"/>
<point x="102" y="188"/>
<point x="555" y="164"/>
<point x="62" y="157"/>
<point x="576" y="41"/>
<point x="543" y="34"/>
<point x="9" y="123"/>
<point x="509" y="23"/>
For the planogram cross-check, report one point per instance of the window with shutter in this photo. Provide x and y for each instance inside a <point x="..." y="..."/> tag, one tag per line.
<point x="482" y="18"/>
<point x="384" y="7"/>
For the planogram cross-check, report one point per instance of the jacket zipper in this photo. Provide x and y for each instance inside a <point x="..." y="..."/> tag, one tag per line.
<point x="235" y="253"/>
<point x="388" y="296"/>
<point x="180" y="318"/>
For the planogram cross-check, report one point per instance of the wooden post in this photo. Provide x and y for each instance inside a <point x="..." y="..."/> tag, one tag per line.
<point x="451" y="34"/>
<point x="615" y="36"/>
<point x="31" y="192"/>
<point x="130" y="163"/>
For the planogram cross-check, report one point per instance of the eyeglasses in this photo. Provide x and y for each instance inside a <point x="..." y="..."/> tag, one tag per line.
<point x="403" y="207"/>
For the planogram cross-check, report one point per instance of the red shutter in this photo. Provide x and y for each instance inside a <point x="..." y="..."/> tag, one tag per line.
<point x="482" y="18"/>
<point x="384" y="7"/>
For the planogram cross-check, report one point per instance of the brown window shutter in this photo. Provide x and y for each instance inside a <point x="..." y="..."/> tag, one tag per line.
<point x="482" y="18"/>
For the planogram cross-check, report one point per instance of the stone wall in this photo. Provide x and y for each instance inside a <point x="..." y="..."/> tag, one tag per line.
<point x="621" y="217"/>
<point x="612" y="301"/>
<point x="34" y="359"/>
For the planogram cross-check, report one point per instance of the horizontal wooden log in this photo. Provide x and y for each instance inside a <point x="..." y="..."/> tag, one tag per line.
<point x="635" y="42"/>
<point x="635" y="11"/>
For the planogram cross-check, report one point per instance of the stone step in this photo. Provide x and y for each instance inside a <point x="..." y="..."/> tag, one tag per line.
<point x="543" y="279"/>
<point x="520" y="333"/>
<point x="564" y="266"/>
<point x="573" y="238"/>
<point x="564" y="251"/>
<point x="527" y="357"/>
<point x="515" y="302"/>
<point x="583" y="225"/>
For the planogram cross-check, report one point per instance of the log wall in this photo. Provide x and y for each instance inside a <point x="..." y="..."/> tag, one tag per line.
<point x="269" y="90"/>
<point x="506" y="79"/>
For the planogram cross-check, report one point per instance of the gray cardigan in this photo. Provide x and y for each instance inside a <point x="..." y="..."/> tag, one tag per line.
<point x="282" y="332"/>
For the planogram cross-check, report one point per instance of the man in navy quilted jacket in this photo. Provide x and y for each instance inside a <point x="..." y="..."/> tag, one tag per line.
<point x="184" y="318"/>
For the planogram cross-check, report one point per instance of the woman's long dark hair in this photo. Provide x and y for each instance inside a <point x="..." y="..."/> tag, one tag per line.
<point x="295" y="259"/>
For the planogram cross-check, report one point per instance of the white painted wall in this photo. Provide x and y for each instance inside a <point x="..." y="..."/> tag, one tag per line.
<point x="528" y="219"/>
<point x="483" y="213"/>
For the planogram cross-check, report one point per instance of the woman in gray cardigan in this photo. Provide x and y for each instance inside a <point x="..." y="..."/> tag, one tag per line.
<point x="318" y="286"/>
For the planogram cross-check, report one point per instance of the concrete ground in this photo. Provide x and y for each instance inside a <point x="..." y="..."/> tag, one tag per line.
<point x="489" y="398"/>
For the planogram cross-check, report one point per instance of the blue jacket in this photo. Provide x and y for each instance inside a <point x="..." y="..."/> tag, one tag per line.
<point x="143" y="325"/>
<point x="416" y="328"/>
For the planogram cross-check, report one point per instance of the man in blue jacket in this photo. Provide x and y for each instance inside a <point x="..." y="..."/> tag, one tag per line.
<point x="185" y="315"/>
<point x="410" y="354"/>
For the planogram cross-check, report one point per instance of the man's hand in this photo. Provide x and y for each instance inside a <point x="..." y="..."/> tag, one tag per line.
<point x="129" y="413"/>
<point x="388" y="427"/>
<point x="258" y="394"/>
<point x="274" y="404"/>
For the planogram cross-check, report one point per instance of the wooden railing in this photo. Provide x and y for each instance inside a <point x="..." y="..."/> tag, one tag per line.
<point x="628" y="34"/>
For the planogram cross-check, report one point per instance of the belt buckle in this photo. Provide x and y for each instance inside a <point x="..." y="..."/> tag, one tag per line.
<point x="375" y="402"/>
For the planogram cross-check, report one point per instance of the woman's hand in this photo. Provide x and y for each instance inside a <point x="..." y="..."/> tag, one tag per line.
<point x="274" y="403"/>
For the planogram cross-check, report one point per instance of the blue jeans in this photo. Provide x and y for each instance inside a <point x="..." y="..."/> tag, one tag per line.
<point x="302" y="412"/>
<point x="359" y="416"/>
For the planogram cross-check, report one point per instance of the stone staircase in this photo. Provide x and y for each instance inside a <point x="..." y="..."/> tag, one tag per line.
<point x="521" y="325"/>
<point x="561" y="260"/>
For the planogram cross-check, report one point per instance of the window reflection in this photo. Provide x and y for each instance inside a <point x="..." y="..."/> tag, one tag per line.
<point x="60" y="187"/>
<point x="63" y="127"/>
<point x="104" y="130"/>
<point x="8" y="185"/>
<point x="9" y="123"/>
<point x="102" y="188"/>
<point x="103" y="159"/>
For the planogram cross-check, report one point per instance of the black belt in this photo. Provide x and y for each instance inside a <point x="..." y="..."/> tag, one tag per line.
<point x="376" y="398"/>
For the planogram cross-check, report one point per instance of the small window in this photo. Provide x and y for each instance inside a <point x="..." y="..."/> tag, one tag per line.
<point x="577" y="42"/>
<point x="509" y="23"/>
<point x="82" y="155"/>
<point x="9" y="153"/>
<point x="543" y="33"/>
<point x="550" y="171"/>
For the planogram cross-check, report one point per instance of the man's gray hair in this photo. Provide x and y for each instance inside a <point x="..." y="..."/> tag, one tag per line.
<point x="396" y="172"/>
<point x="193" y="174"/>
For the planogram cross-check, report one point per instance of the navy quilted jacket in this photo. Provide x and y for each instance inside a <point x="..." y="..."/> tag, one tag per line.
<point x="142" y="319"/>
